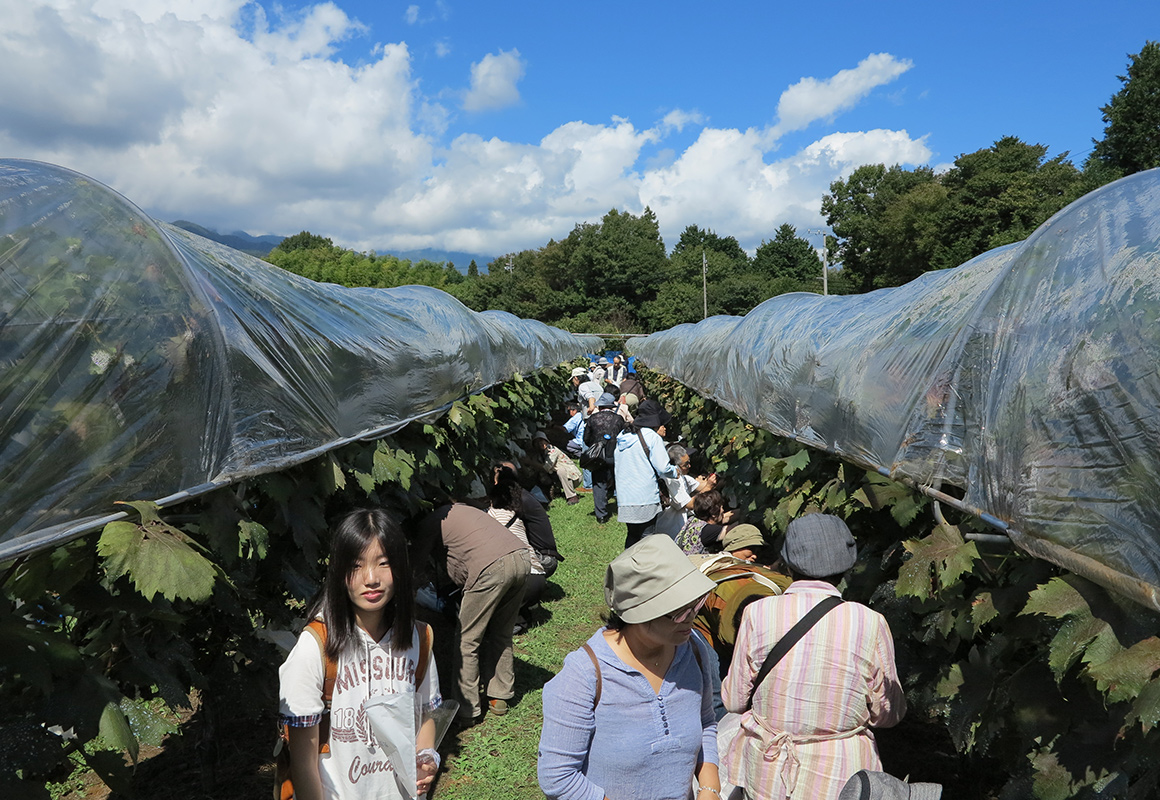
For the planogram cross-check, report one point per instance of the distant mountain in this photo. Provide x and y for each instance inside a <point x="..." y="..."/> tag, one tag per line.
<point x="239" y="240"/>
<point x="261" y="245"/>
<point x="460" y="260"/>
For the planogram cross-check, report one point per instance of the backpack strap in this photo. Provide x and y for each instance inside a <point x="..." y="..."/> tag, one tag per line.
<point x="283" y="781"/>
<point x="425" y="638"/>
<point x="599" y="681"/>
<point x="790" y="639"/>
<point x="317" y="628"/>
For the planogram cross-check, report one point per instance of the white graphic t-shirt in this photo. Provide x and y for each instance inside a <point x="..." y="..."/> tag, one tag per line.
<point x="356" y="766"/>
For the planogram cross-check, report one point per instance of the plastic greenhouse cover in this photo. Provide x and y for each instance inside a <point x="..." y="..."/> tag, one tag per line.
<point x="139" y="361"/>
<point x="1026" y="377"/>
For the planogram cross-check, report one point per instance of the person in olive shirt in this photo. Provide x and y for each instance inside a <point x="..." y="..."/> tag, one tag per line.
<point x="492" y="565"/>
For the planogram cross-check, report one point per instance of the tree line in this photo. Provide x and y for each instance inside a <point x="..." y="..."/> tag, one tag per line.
<point x="889" y="225"/>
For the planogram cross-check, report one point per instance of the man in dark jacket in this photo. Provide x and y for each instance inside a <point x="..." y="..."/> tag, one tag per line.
<point x="603" y="426"/>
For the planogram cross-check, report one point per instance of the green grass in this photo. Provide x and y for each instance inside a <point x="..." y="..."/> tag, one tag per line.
<point x="497" y="758"/>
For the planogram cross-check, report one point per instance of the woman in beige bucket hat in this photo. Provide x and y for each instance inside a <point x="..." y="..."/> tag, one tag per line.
<point x="631" y="712"/>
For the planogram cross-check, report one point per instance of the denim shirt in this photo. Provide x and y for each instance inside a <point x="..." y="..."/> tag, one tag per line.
<point x="636" y="743"/>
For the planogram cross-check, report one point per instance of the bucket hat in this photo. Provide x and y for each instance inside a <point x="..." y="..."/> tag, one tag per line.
<point x="867" y="785"/>
<point x="819" y="545"/>
<point x="652" y="578"/>
<point x="579" y="372"/>
<point x="606" y="401"/>
<point x="741" y="536"/>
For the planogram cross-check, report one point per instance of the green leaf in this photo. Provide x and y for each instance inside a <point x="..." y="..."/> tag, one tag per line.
<point x="1052" y="780"/>
<point x="158" y="558"/>
<point x="1082" y="635"/>
<point x="149" y="725"/>
<point x="338" y="477"/>
<point x="904" y="503"/>
<point x="797" y="462"/>
<point x="253" y="539"/>
<point x="115" y="730"/>
<point x="1146" y="708"/>
<point x="982" y="610"/>
<point x="365" y="481"/>
<point x="938" y="560"/>
<point x="1124" y="675"/>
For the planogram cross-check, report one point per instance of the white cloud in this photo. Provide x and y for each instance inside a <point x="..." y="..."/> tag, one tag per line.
<point x="210" y="110"/>
<point x="811" y="99"/>
<point x="442" y="48"/>
<point x="411" y="15"/>
<point x="677" y="119"/>
<point x="493" y="81"/>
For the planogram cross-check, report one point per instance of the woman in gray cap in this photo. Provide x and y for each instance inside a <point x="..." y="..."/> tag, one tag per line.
<point x="805" y="723"/>
<point x="631" y="713"/>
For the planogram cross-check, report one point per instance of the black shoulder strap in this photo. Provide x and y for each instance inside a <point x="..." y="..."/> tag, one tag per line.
<point x="789" y="640"/>
<point x="647" y="453"/>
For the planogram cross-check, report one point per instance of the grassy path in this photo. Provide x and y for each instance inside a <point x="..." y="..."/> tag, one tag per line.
<point x="497" y="759"/>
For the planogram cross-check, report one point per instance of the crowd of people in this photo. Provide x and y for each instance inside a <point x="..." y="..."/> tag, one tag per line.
<point x="727" y="667"/>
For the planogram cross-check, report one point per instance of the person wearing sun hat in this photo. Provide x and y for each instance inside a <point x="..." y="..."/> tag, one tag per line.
<point x="631" y="713"/>
<point x="805" y="726"/>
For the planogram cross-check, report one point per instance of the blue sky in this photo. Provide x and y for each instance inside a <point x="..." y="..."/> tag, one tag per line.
<point x="492" y="127"/>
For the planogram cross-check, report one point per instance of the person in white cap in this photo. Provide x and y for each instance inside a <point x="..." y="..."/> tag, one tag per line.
<point x="587" y="390"/>
<point x="631" y="713"/>
<point x="805" y="723"/>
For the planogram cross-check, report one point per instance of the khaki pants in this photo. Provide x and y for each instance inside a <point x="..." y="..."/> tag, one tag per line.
<point x="487" y="615"/>
<point x="567" y="474"/>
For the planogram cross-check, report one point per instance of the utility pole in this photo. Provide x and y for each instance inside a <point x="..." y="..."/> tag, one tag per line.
<point x="704" y="285"/>
<point x="825" y="273"/>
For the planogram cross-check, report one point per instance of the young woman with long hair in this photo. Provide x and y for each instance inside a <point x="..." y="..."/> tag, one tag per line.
<point x="367" y="607"/>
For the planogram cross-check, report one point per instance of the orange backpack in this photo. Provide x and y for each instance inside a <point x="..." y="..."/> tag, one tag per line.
<point x="283" y="782"/>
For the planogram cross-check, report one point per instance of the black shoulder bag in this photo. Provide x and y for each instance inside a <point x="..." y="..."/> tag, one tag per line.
<point x="789" y="640"/>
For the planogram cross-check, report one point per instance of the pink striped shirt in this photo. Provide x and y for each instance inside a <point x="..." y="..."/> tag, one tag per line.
<point x="808" y="731"/>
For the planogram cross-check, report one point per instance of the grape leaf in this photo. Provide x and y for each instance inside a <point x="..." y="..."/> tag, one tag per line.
<point x="941" y="557"/>
<point x="1124" y="675"/>
<point x="982" y="610"/>
<point x="1146" y="708"/>
<point x="158" y="558"/>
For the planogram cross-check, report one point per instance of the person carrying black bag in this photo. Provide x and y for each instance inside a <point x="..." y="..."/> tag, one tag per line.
<point x="810" y="676"/>
<point x="600" y="440"/>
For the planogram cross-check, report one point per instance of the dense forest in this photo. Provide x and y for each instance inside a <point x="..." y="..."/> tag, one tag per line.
<point x="889" y="225"/>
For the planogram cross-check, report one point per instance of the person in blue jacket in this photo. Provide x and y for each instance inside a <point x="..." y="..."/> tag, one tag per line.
<point x="641" y="459"/>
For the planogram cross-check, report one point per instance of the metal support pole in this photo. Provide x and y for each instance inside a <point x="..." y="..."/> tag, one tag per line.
<point x="704" y="285"/>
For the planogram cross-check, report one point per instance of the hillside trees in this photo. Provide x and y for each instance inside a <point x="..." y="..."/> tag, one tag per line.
<point x="598" y="278"/>
<point x="1131" y="140"/>
<point x="893" y="224"/>
<point x="788" y="261"/>
<point x="319" y="259"/>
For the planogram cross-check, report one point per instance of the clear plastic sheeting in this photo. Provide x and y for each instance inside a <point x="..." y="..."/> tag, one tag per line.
<point x="139" y="361"/>
<point x="1027" y="378"/>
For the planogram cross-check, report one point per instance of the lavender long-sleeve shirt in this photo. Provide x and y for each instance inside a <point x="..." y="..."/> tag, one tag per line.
<point x="637" y="743"/>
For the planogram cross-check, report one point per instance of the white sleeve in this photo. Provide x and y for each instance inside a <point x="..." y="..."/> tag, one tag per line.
<point x="300" y="680"/>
